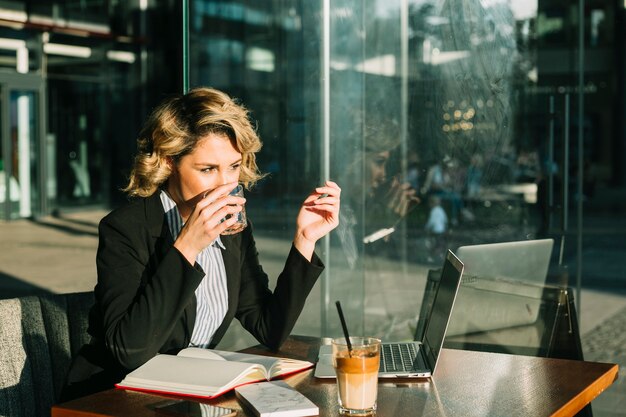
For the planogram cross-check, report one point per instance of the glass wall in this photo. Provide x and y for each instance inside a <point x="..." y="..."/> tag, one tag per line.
<point x="447" y="123"/>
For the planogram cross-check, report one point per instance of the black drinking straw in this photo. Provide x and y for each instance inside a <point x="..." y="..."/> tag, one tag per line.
<point x="344" y="327"/>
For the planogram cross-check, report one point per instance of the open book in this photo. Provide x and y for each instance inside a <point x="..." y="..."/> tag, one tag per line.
<point x="207" y="373"/>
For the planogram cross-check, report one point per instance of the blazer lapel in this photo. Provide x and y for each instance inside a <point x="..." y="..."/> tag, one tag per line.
<point x="162" y="240"/>
<point x="155" y="218"/>
<point x="232" y="263"/>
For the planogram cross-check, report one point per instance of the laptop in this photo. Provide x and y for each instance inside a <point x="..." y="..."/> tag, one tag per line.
<point x="502" y="285"/>
<point x="415" y="359"/>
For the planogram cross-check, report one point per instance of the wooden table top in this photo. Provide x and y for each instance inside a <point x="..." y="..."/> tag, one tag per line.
<point x="465" y="383"/>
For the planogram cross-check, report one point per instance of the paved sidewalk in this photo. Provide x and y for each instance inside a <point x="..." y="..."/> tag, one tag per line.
<point x="607" y="343"/>
<point x="58" y="255"/>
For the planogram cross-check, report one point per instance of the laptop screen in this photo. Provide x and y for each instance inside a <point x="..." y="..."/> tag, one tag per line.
<point x="525" y="260"/>
<point x="441" y="309"/>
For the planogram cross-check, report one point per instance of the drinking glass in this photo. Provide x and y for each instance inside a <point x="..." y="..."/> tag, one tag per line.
<point x="357" y="374"/>
<point x="242" y="221"/>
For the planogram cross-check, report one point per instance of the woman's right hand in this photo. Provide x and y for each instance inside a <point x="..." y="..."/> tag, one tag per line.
<point x="401" y="198"/>
<point x="207" y="220"/>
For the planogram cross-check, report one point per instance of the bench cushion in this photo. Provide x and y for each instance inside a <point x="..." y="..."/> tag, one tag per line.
<point x="38" y="337"/>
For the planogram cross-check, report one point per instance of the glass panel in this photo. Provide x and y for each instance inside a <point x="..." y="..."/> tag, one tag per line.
<point x="368" y="86"/>
<point x="474" y="107"/>
<point x="420" y="104"/>
<point x="474" y="150"/>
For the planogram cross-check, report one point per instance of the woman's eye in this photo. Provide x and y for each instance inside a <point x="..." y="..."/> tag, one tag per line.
<point x="209" y="169"/>
<point x="235" y="167"/>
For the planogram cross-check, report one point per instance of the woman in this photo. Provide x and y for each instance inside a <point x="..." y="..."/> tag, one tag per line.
<point x="167" y="278"/>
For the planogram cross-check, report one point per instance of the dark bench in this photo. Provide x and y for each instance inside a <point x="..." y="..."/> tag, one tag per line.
<point x="39" y="335"/>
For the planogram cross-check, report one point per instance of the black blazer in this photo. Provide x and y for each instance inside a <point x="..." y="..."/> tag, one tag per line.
<point x="145" y="301"/>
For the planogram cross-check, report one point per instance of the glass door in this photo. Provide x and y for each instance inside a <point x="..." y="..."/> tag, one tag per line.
<point x="21" y="154"/>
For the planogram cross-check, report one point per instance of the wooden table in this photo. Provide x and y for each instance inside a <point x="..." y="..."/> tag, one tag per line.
<point x="465" y="383"/>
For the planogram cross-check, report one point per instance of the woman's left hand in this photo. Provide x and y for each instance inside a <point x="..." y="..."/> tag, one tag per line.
<point x="318" y="215"/>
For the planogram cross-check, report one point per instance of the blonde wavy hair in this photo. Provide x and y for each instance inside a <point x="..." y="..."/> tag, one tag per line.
<point x="175" y="128"/>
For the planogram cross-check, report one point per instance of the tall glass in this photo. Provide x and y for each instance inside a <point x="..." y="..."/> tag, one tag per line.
<point x="357" y="374"/>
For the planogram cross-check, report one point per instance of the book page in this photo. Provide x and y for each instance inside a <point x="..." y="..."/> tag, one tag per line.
<point x="265" y="361"/>
<point x="180" y="374"/>
<point x="287" y="366"/>
<point x="274" y="366"/>
<point x="200" y="353"/>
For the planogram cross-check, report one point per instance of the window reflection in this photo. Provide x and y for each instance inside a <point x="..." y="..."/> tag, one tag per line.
<point x="464" y="105"/>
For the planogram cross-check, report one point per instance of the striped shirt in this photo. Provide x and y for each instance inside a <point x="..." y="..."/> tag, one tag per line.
<point x="212" y="293"/>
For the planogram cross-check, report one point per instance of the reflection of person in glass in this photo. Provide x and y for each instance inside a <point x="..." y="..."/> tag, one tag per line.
<point x="167" y="278"/>
<point x="385" y="200"/>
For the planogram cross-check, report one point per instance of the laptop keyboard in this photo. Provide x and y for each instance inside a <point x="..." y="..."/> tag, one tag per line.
<point x="398" y="357"/>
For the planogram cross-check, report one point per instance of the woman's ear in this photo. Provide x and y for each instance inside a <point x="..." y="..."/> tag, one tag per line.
<point x="169" y="163"/>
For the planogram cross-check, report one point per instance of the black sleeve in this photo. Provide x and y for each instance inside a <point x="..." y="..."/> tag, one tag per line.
<point x="270" y="316"/>
<point x="139" y="312"/>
